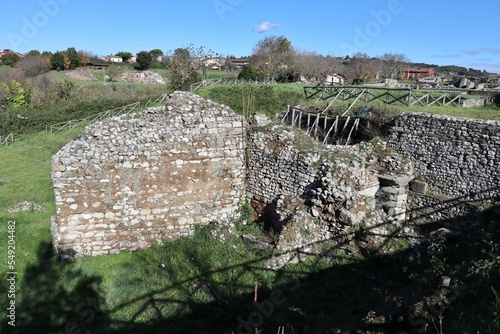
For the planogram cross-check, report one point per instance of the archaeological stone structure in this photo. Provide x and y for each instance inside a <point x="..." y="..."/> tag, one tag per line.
<point x="459" y="156"/>
<point x="132" y="181"/>
<point x="312" y="193"/>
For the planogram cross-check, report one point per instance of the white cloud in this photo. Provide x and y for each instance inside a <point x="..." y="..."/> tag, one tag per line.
<point x="265" y="26"/>
<point x="495" y="51"/>
<point x="447" y="55"/>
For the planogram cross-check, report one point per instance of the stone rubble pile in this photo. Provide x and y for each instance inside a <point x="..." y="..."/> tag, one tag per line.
<point x="145" y="77"/>
<point x="319" y="194"/>
<point x="26" y="206"/>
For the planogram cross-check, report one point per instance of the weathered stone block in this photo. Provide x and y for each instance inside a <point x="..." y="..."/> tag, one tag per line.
<point x="419" y="186"/>
<point x="389" y="180"/>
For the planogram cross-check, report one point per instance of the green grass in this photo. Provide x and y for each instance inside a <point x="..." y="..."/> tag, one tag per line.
<point x="266" y="99"/>
<point x="271" y="99"/>
<point x="200" y="285"/>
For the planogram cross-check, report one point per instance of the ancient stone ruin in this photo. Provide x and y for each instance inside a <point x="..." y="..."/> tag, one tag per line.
<point x="144" y="77"/>
<point x="475" y="83"/>
<point x="130" y="182"/>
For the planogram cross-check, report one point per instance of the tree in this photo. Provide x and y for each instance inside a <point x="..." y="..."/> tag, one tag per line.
<point x="392" y="64"/>
<point x="43" y="88"/>
<point x="112" y="73"/>
<point x="247" y="73"/>
<point x="9" y="59"/>
<point x="65" y="89"/>
<point x="57" y="61"/>
<point x="73" y="59"/>
<point x="143" y="61"/>
<point x="360" y="67"/>
<point x="125" y="56"/>
<point x="313" y="66"/>
<point x="273" y="55"/>
<point x="67" y="61"/>
<point x="183" y="65"/>
<point x="33" y="53"/>
<point x="33" y="65"/>
<point x="155" y="53"/>
<point x="228" y="64"/>
<point x="84" y="58"/>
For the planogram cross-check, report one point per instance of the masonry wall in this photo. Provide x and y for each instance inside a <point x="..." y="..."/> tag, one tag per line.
<point x="276" y="168"/>
<point x="129" y="182"/>
<point x="426" y="208"/>
<point x="459" y="157"/>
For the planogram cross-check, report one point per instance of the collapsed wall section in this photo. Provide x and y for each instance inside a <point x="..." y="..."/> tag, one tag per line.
<point x="132" y="181"/>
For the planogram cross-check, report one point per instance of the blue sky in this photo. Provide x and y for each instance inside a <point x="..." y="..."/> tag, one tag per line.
<point x="443" y="32"/>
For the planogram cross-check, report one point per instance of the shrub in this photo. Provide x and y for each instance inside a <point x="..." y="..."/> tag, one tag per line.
<point x="143" y="61"/>
<point x="16" y="97"/>
<point x="247" y="73"/>
<point x="496" y="100"/>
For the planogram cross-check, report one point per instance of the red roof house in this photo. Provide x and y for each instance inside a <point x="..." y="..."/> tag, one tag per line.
<point x="9" y="52"/>
<point x="417" y="72"/>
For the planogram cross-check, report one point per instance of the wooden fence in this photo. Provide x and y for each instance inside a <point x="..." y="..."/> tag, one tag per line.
<point x="7" y="139"/>
<point x="125" y="110"/>
<point x="404" y="96"/>
<point x="328" y="129"/>
<point x="230" y="81"/>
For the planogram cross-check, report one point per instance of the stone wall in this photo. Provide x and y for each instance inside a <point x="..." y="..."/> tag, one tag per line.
<point x="457" y="156"/>
<point x="433" y="209"/>
<point x="310" y="193"/>
<point x="279" y="166"/>
<point x="132" y="181"/>
<point x="470" y="103"/>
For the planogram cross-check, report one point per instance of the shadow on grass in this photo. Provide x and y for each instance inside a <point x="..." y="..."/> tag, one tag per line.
<point x="51" y="304"/>
<point x="375" y="293"/>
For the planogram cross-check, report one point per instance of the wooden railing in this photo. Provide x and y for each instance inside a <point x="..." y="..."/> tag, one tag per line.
<point x="69" y="125"/>
<point x="7" y="139"/>
<point x="230" y="81"/>
<point x="126" y="110"/>
<point x="328" y="129"/>
<point x="404" y="96"/>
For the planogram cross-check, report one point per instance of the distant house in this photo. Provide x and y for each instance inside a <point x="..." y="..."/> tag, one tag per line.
<point x="9" y="52"/>
<point x="335" y="79"/>
<point x="417" y="72"/>
<point x="239" y="62"/>
<point x="212" y="63"/>
<point x="113" y="59"/>
<point x="96" y="66"/>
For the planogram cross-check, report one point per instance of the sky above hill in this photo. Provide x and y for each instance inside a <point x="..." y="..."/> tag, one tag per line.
<point x="442" y="32"/>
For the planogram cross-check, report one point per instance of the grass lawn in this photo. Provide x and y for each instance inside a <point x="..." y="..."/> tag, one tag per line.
<point x="201" y="285"/>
